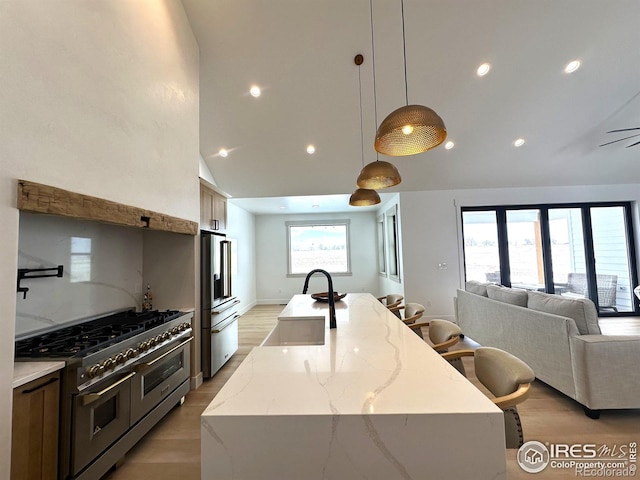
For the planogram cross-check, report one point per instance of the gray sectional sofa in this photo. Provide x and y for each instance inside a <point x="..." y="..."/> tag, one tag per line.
<point x="559" y="338"/>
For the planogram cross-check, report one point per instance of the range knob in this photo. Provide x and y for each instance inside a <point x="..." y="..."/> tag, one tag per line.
<point x="131" y="353"/>
<point x="166" y="336"/>
<point x="175" y="330"/>
<point x="158" y="339"/>
<point x="109" y="364"/>
<point x="184" y="326"/>
<point x="95" y="371"/>
<point x="120" y="358"/>
<point x="143" y="347"/>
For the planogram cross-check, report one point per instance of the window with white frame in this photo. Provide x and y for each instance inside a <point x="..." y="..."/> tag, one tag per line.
<point x="392" y="247"/>
<point x="388" y="246"/>
<point x="318" y="244"/>
<point x="382" y="255"/>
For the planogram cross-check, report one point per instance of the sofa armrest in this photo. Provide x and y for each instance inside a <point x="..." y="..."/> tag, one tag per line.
<point x="605" y="369"/>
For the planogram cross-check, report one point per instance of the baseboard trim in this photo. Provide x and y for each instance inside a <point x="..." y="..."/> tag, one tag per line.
<point x="244" y="310"/>
<point x="273" y="301"/>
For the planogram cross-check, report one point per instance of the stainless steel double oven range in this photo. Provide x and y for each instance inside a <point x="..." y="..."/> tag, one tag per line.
<point x="123" y="373"/>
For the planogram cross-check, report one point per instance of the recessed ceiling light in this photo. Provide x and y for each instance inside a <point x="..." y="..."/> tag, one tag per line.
<point x="255" y="91"/>
<point x="282" y="207"/>
<point x="519" y="142"/>
<point x="572" y="66"/>
<point x="483" y="69"/>
<point x="449" y="145"/>
<point x="311" y="149"/>
<point x="315" y="206"/>
<point x="223" y="152"/>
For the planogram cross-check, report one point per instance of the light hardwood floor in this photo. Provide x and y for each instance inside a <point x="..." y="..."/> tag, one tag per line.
<point x="172" y="449"/>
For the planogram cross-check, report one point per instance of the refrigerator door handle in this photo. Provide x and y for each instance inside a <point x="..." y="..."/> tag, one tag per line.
<point x="218" y="329"/>
<point x="226" y="307"/>
<point x="226" y="268"/>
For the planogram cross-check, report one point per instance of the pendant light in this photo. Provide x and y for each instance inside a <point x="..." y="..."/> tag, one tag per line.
<point x="378" y="174"/>
<point x="362" y="197"/>
<point x="410" y="129"/>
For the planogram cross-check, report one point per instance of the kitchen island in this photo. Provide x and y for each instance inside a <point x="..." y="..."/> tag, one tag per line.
<point x="368" y="399"/>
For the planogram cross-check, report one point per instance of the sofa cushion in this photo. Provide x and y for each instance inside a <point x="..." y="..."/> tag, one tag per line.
<point x="582" y="310"/>
<point x="479" y="288"/>
<point x="507" y="295"/>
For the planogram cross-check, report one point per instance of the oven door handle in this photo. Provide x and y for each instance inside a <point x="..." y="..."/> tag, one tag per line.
<point x="89" y="398"/>
<point x="143" y="366"/>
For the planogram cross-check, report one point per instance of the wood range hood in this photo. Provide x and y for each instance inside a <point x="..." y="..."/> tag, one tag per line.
<point x="38" y="198"/>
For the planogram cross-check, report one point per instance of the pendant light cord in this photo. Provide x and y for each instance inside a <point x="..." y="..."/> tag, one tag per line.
<point x="361" y="128"/>
<point x="373" y="64"/>
<point x="404" y="55"/>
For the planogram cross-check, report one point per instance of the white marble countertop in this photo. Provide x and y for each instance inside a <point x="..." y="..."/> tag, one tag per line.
<point x="370" y="364"/>
<point x="25" y="372"/>
<point x="374" y="401"/>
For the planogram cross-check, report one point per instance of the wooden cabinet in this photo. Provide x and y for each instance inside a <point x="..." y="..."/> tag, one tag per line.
<point x="220" y="211"/>
<point x="213" y="210"/>
<point x="34" y="452"/>
<point x="206" y="208"/>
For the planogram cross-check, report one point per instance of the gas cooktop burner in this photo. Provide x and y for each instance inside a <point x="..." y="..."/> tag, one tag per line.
<point x="89" y="337"/>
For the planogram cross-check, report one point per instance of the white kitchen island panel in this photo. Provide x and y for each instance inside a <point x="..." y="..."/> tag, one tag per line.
<point x="373" y="402"/>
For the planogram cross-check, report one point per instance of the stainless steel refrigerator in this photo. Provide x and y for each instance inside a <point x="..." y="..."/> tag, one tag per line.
<point x="219" y="308"/>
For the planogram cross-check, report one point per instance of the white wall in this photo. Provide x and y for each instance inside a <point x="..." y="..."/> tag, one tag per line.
<point x="111" y="261"/>
<point x="99" y="98"/>
<point x="271" y="252"/>
<point x="432" y="235"/>
<point x="205" y="173"/>
<point x="386" y="284"/>
<point x="241" y="227"/>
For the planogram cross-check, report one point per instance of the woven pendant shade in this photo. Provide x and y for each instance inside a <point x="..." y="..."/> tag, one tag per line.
<point x="378" y="174"/>
<point x="410" y="130"/>
<point x="363" y="197"/>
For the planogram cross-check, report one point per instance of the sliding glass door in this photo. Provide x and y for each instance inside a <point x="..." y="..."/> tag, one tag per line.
<point x="611" y="251"/>
<point x="583" y="250"/>
<point x="524" y="240"/>
<point x="482" y="256"/>
<point x="566" y="232"/>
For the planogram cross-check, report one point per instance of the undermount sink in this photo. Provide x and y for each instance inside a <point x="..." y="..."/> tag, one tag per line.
<point x="297" y="331"/>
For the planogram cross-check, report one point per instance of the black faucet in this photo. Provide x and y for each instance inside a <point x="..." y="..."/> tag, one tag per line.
<point x="332" y="300"/>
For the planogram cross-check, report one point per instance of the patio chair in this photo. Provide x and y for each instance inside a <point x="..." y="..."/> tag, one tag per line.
<point x="492" y="277"/>
<point x="607" y="286"/>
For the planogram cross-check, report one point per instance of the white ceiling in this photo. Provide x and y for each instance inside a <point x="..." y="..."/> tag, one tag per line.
<point x="300" y="52"/>
<point x="303" y="204"/>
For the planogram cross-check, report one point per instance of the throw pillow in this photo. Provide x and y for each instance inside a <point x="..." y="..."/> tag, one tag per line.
<point x="479" y="288"/>
<point x="582" y="310"/>
<point x="507" y="295"/>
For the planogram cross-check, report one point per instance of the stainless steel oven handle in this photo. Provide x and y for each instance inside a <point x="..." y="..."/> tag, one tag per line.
<point x="89" y="398"/>
<point x="143" y="366"/>
<point x="227" y="307"/>
<point x="230" y="322"/>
